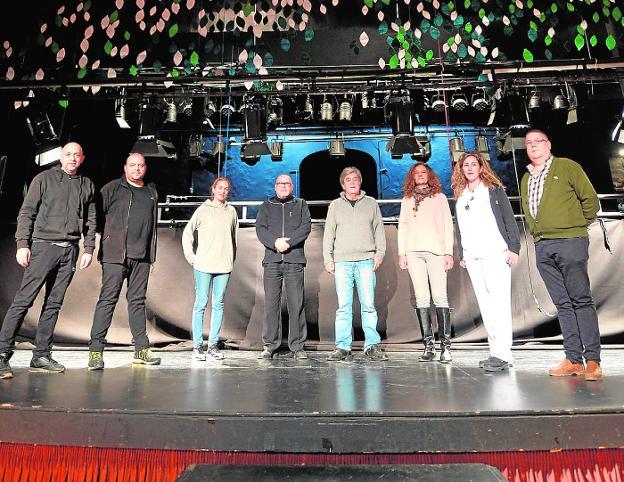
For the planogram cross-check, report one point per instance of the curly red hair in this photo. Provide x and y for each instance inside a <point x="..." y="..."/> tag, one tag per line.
<point x="409" y="186"/>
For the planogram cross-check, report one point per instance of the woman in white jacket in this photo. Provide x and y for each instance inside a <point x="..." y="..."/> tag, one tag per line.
<point x="216" y="224"/>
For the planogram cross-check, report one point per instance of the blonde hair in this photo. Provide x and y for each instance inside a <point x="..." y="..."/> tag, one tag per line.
<point x="487" y="175"/>
<point x="217" y="181"/>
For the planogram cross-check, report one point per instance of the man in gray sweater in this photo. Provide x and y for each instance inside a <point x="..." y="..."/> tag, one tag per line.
<point x="354" y="245"/>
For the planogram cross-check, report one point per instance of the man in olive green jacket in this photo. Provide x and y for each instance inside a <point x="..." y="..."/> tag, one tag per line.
<point x="559" y="204"/>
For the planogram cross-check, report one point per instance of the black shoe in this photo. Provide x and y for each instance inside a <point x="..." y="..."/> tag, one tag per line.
<point x="300" y="355"/>
<point x="5" y="368"/>
<point x="96" y="361"/>
<point x="266" y="354"/>
<point x="340" y="355"/>
<point x="144" y="357"/>
<point x="428" y="354"/>
<point x="496" y="365"/>
<point x="45" y="364"/>
<point x="375" y="353"/>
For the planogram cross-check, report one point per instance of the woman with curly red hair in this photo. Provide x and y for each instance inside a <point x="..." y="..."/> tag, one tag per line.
<point x="489" y="247"/>
<point x="426" y="251"/>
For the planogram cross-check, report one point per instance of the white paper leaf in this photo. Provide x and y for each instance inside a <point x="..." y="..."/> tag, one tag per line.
<point x="248" y="84"/>
<point x="39" y="74"/>
<point x="177" y="58"/>
<point x="111" y="73"/>
<point x="363" y="39"/>
<point x="82" y="62"/>
<point x="119" y="4"/>
<point x="175" y="8"/>
<point x="10" y="73"/>
<point x="89" y="31"/>
<point x="60" y="55"/>
<point x="382" y="63"/>
<point x="243" y="56"/>
<point x="141" y="57"/>
<point x="257" y="61"/>
<point x="95" y="65"/>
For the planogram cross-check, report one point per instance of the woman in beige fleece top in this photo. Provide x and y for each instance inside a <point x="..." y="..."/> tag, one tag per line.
<point x="216" y="224"/>
<point x="426" y="251"/>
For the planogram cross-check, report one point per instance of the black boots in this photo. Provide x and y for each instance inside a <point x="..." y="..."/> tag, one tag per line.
<point x="444" y="332"/>
<point x="424" y="317"/>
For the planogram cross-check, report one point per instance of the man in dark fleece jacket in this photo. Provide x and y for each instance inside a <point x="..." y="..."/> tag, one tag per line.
<point x="58" y="208"/>
<point x="282" y="225"/>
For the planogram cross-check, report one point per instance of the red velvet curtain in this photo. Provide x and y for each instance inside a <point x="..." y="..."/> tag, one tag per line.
<point x="21" y="463"/>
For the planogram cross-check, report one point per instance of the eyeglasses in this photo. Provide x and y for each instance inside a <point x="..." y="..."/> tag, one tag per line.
<point x="536" y="142"/>
<point x="283" y="184"/>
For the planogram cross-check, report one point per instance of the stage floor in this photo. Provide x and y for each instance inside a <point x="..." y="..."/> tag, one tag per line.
<point x="246" y="404"/>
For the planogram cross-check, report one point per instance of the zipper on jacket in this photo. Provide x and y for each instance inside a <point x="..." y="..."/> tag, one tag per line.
<point x="283" y="227"/>
<point x="125" y="249"/>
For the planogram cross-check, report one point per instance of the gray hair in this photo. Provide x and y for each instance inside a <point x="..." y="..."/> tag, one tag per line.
<point x="349" y="170"/>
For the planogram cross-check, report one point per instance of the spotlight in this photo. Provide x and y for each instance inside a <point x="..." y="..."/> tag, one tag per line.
<point x="120" y="114"/>
<point x="209" y="108"/>
<point x="508" y="142"/>
<point x="147" y="142"/>
<point x="336" y="148"/>
<point x="172" y="112"/>
<point x="399" y="113"/>
<point x="327" y="110"/>
<point x="480" y="101"/>
<point x="308" y="107"/>
<point x="345" y="111"/>
<point x="195" y="146"/>
<point x="519" y="117"/>
<point x="373" y="102"/>
<point x="457" y="148"/>
<point x="276" y="110"/>
<point x="277" y="150"/>
<point x="618" y="132"/>
<point x="560" y="102"/>
<point x="572" y="105"/>
<point x="423" y="153"/>
<point x="218" y="148"/>
<point x="227" y="109"/>
<point x="254" y="113"/>
<point x="364" y="100"/>
<point x="437" y="103"/>
<point x="459" y="101"/>
<point x="482" y="146"/>
<point x="535" y="101"/>
<point x="47" y="144"/>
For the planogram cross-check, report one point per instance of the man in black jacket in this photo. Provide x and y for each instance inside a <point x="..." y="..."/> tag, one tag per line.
<point x="58" y="208"/>
<point x="282" y="226"/>
<point x="127" y="250"/>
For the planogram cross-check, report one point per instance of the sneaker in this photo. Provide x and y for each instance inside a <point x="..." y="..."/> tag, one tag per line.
<point x="567" y="369"/>
<point x="144" y="357"/>
<point x="45" y="364"/>
<point x="265" y="354"/>
<point x="593" y="372"/>
<point x="375" y="353"/>
<point x="198" y="354"/>
<point x="495" y="364"/>
<point x="213" y="353"/>
<point x="482" y="363"/>
<point x="300" y="355"/>
<point x="340" y="355"/>
<point x="96" y="361"/>
<point x="5" y="368"/>
<point x="445" y="355"/>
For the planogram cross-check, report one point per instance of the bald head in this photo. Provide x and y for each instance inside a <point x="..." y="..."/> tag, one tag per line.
<point x="71" y="158"/>
<point x="135" y="168"/>
<point x="283" y="186"/>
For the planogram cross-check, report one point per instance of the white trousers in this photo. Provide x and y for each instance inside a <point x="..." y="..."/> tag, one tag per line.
<point x="491" y="282"/>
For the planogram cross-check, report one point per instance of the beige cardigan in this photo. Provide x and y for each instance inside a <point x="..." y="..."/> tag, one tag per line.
<point x="430" y="229"/>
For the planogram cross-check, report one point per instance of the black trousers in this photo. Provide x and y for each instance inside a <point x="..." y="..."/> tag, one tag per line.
<point x="291" y="275"/>
<point x="136" y="272"/>
<point x="53" y="266"/>
<point x="562" y="263"/>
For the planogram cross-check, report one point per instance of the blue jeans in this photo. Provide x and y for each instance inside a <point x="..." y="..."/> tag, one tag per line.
<point x="361" y="274"/>
<point x="202" y="292"/>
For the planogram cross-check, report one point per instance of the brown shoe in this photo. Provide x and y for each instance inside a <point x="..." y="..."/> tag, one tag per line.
<point x="567" y="369"/>
<point x="593" y="373"/>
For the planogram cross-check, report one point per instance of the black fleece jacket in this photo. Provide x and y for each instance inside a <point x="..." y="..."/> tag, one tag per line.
<point x="283" y="219"/>
<point x="58" y="207"/>
<point x="115" y="201"/>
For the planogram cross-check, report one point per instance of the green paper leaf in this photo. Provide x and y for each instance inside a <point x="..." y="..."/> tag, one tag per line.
<point x="87" y="5"/>
<point x="606" y="12"/>
<point x="408" y="57"/>
<point x="114" y="16"/>
<point x="532" y="25"/>
<point x="616" y="14"/>
<point x="405" y="45"/>
<point x="108" y="46"/>
<point x="58" y="21"/>
<point x="248" y="9"/>
<point x="175" y="73"/>
<point x="468" y="27"/>
<point x="579" y="41"/>
<point x="368" y="3"/>
<point x="593" y="41"/>
<point x="173" y="30"/>
<point x="508" y="30"/>
<point x="127" y="36"/>
<point x="527" y="55"/>
<point x="54" y="47"/>
<point x="511" y="8"/>
<point x="400" y="37"/>
<point x="462" y="51"/>
<point x="529" y="4"/>
<point x="133" y="70"/>
<point x="481" y="13"/>
<point x="383" y="28"/>
<point x="250" y="67"/>
<point x="306" y="59"/>
<point x="532" y="35"/>
<point x="386" y="2"/>
<point x="435" y="33"/>
<point x="308" y="34"/>
<point x="438" y="20"/>
<point x="610" y="42"/>
<point x="429" y="54"/>
<point x="548" y="54"/>
<point x="390" y="40"/>
<point x="285" y="44"/>
<point x="81" y="73"/>
<point x="156" y="66"/>
<point x="268" y="60"/>
<point x="459" y="21"/>
<point x="466" y="4"/>
<point x="570" y="7"/>
<point x="596" y="17"/>
<point x="421" y="62"/>
<point x="424" y="25"/>
<point x="394" y="61"/>
<point x="194" y="59"/>
<point x="553" y="7"/>
<point x="548" y="40"/>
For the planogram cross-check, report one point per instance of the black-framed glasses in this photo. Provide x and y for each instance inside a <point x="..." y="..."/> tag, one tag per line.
<point x="536" y="142"/>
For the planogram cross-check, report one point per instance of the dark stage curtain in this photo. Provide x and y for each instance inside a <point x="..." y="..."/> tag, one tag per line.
<point x="28" y="463"/>
<point x="171" y="294"/>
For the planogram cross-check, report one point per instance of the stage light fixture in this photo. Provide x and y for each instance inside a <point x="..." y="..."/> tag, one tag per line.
<point x="482" y="146"/>
<point x="559" y="102"/>
<point x="510" y="141"/>
<point x="277" y="150"/>
<point x="535" y="101"/>
<point x="218" y="147"/>
<point x="254" y="117"/>
<point x="327" y="110"/>
<point x="480" y="101"/>
<point x="519" y="117"/>
<point x="399" y="112"/>
<point x="457" y="148"/>
<point x="337" y="147"/>
<point x="618" y="133"/>
<point x="276" y="111"/>
<point x="308" y="107"/>
<point x="572" y="105"/>
<point x="195" y="146"/>
<point x="345" y="110"/>
<point x="423" y="152"/>
<point x="147" y="142"/>
<point x="364" y="100"/>
<point x="437" y="103"/>
<point x="120" y="114"/>
<point x="47" y="144"/>
<point x="172" y="112"/>
<point x="459" y="101"/>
